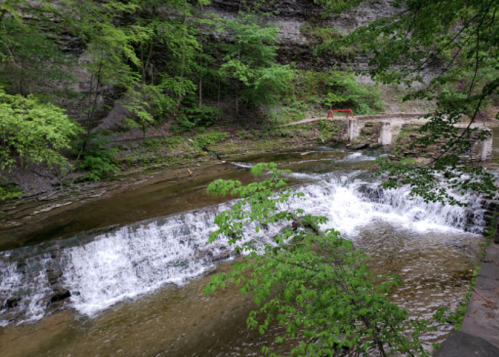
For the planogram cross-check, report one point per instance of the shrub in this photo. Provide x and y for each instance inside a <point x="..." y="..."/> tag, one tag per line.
<point x="33" y="132"/>
<point x="204" y="140"/>
<point x="191" y="117"/>
<point x="308" y="279"/>
<point x="9" y="191"/>
<point x="336" y="89"/>
<point x="97" y="159"/>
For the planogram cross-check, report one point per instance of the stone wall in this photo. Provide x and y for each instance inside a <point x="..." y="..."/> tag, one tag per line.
<point x="368" y="135"/>
<point x="405" y="147"/>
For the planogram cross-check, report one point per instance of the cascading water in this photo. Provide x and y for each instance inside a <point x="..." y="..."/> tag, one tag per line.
<point x="102" y="270"/>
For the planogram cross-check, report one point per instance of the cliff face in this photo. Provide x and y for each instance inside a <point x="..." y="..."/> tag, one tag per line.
<point x="297" y="21"/>
<point x="300" y="23"/>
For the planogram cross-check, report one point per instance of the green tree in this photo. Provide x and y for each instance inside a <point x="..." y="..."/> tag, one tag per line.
<point x="251" y="62"/>
<point x="98" y="158"/>
<point x="31" y="62"/>
<point x="345" y="92"/>
<point x="457" y="41"/>
<point x="310" y="281"/>
<point x="33" y="132"/>
<point x="174" y="44"/>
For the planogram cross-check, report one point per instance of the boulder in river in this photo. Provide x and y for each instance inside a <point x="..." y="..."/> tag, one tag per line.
<point x="11" y="302"/>
<point x="215" y="252"/>
<point x="60" y="294"/>
<point x="53" y="276"/>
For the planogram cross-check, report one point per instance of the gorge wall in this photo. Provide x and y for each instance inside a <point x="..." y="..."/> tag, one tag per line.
<point x="297" y="20"/>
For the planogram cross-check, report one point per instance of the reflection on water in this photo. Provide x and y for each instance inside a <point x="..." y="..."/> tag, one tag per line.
<point x="109" y="273"/>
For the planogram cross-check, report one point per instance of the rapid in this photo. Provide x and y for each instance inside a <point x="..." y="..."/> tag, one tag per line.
<point x="135" y="288"/>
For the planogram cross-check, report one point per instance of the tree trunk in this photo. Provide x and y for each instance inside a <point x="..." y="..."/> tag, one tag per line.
<point x="200" y="90"/>
<point x="237" y="101"/>
<point x="200" y="85"/>
<point x="93" y="97"/>
<point x="183" y="65"/>
<point x="237" y="86"/>
<point x="219" y="85"/>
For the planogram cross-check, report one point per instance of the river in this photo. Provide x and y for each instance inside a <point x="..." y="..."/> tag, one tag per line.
<point x="136" y="264"/>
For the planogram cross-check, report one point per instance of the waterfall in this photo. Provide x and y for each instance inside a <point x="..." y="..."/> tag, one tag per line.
<point x="101" y="269"/>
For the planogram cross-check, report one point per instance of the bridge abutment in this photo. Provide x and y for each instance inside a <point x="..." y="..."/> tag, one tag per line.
<point x="486" y="149"/>
<point x="385" y="134"/>
<point x="353" y="129"/>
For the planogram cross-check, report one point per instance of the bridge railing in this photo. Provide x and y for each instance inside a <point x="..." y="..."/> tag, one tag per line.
<point x="330" y="114"/>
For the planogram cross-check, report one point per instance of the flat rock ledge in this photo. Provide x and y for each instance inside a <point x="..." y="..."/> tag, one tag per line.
<point x="460" y="344"/>
<point x="479" y="334"/>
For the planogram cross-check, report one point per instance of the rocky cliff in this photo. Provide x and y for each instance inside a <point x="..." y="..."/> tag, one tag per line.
<point x="298" y="21"/>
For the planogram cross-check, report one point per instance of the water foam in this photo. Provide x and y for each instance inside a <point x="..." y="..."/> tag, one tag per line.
<point x="357" y="157"/>
<point x="138" y="259"/>
<point x="242" y="164"/>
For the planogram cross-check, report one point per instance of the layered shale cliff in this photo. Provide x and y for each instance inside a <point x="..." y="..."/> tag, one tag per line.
<point x="301" y="23"/>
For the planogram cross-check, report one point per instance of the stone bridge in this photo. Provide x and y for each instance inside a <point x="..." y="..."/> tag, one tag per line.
<point x="389" y="126"/>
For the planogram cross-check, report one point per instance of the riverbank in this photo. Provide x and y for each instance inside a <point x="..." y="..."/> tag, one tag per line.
<point x="477" y="330"/>
<point x="479" y="333"/>
<point x="171" y="158"/>
<point x="176" y="163"/>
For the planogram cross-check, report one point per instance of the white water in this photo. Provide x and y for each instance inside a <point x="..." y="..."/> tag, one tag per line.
<point x="244" y="165"/>
<point x="138" y="259"/>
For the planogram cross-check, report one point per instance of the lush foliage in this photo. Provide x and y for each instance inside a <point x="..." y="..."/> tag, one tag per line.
<point x="97" y="159"/>
<point x="156" y="64"/>
<point x="457" y="41"/>
<point x="251" y="62"/>
<point x="193" y="117"/>
<point x="20" y="69"/>
<point x="311" y="282"/>
<point x="337" y="90"/>
<point x="9" y="191"/>
<point x="32" y="132"/>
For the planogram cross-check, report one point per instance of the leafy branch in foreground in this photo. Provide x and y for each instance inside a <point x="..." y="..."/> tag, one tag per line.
<point x="426" y="181"/>
<point x="310" y="281"/>
<point x="451" y="48"/>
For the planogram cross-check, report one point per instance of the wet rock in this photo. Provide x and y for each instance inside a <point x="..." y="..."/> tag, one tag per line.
<point x="358" y="146"/>
<point x="216" y="252"/>
<point x="53" y="276"/>
<point x="372" y="193"/>
<point x="21" y="267"/>
<point x="60" y="294"/>
<point x="11" y="302"/>
<point x="55" y="254"/>
<point x="456" y="245"/>
<point x="491" y="204"/>
<point x="220" y="256"/>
